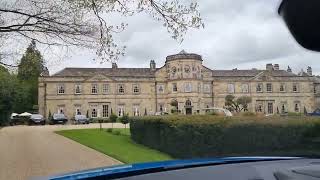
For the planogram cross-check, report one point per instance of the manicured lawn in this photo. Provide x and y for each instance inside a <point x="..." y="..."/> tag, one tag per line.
<point x="120" y="147"/>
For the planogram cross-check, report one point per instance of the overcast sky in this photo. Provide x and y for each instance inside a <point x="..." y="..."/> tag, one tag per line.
<point x="241" y="34"/>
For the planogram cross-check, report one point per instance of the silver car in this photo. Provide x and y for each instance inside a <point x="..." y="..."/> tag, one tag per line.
<point x="81" y="119"/>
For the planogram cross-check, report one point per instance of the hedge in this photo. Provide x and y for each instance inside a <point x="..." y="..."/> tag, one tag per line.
<point x="212" y="136"/>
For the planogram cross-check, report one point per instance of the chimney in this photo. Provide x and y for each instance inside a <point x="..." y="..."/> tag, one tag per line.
<point x="276" y="67"/>
<point x="309" y="71"/>
<point x="269" y="67"/>
<point x="152" y="65"/>
<point x="289" y="69"/>
<point x="114" y="65"/>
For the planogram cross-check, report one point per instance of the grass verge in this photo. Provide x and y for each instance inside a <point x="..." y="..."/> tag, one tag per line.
<point x="120" y="147"/>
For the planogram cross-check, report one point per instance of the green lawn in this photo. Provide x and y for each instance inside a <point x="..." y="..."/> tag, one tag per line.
<point x="120" y="147"/>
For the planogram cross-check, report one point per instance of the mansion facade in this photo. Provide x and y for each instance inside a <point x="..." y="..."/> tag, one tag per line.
<point x="182" y="83"/>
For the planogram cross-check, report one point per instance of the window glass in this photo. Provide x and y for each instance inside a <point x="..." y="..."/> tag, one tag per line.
<point x="160" y="88"/>
<point x="120" y="110"/>
<point x="245" y="88"/>
<point x="230" y="88"/>
<point x="105" y="111"/>
<point x="188" y="87"/>
<point x="94" y="88"/>
<point x="94" y="111"/>
<point x="174" y="87"/>
<point x="269" y="87"/>
<point x="136" y="110"/>
<point x="295" y="87"/>
<point x="105" y="89"/>
<point x="60" y="88"/>
<point x="282" y="87"/>
<point x="296" y="107"/>
<point x="259" y="87"/>
<point x="121" y="89"/>
<point x="78" y="110"/>
<point x="78" y="89"/>
<point x="136" y="89"/>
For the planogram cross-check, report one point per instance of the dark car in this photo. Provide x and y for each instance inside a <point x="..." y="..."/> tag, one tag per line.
<point x="36" y="119"/>
<point x="315" y="113"/>
<point x="81" y="119"/>
<point x="58" y="119"/>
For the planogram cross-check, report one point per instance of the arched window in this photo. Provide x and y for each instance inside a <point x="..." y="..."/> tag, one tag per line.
<point x="188" y="103"/>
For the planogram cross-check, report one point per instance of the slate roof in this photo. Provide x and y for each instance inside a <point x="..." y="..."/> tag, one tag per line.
<point x="250" y="73"/>
<point x="115" y="72"/>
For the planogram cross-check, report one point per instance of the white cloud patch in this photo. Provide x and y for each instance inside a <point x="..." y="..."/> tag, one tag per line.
<point x="238" y="34"/>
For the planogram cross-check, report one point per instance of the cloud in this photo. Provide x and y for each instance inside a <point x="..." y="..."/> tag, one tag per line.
<point x="245" y="34"/>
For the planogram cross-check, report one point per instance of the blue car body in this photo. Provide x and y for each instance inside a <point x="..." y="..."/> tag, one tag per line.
<point x="143" y="168"/>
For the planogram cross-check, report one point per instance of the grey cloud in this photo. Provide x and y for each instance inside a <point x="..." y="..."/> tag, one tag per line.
<point x="244" y="34"/>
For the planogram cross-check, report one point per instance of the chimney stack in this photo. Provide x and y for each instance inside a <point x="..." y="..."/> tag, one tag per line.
<point x="309" y="71"/>
<point x="276" y="67"/>
<point x="152" y="65"/>
<point x="269" y="67"/>
<point x="289" y="69"/>
<point x="114" y="65"/>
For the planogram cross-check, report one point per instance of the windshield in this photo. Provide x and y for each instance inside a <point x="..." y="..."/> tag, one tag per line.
<point x="96" y="83"/>
<point x="36" y="116"/>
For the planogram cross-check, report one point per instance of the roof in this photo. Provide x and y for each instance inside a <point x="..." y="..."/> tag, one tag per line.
<point x="250" y="73"/>
<point x="183" y="55"/>
<point x="116" y="72"/>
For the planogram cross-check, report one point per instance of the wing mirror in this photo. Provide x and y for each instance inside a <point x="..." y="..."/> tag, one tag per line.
<point x="302" y="17"/>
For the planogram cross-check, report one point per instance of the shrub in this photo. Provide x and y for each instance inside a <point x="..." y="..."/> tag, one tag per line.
<point x="210" y="136"/>
<point x="109" y="130"/>
<point x="294" y="114"/>
<point x="124" y="120"/>
<point x="97" y="120"/>
<point x="248" y="114"/>
<point x="113" y="118"/>
<point x="116" y="132"/>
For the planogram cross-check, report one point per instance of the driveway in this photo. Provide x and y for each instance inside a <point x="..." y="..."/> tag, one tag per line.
<point x="33" y="151"/>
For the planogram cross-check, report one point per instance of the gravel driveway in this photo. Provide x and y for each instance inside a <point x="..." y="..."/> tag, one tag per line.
<point x="33" y="151"/>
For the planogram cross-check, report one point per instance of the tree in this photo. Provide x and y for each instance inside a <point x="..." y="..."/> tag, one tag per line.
<point x="30" y="68"/>
<point x="113" y="118"/>
<point x="238" y="104"/>
<point x="87" y="23"/>
<point x="243" y="101"/>
<point x="124" y="120"/>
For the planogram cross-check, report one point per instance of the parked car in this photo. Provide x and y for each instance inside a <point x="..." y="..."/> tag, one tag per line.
<point x="161" y="113"/>
<point x="81" y="119"/>
<point x="58" y="119"/>
<point x="315" y="113"/>
<point x="36" y="119"/>
<point x="15" y="119"/>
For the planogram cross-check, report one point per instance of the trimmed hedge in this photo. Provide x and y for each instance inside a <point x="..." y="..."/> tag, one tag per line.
<point x="210" y="136"/>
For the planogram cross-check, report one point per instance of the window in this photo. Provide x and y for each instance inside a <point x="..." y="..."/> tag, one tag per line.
<point x="260" y="87"/>
<point x="160" y="88"/>
<point x="77" y="89"/>
<point x="78" y="109"/>
<point x="187" y="87"/>
<point x="161" y="107"/>
<point x="174" y="87"/>
<point x="105" y="89"/>
<point x="136" y="110"/>
<point x="94" y="89"/>
<point x="296" y="107"/>
<point x="199" y="87"/>
<point x="94" y="111"/>
<point x="105" y="111"/>
<point x="121" y="88"/>
<point x="120" y="110"/>
<point x="270" y="108"/>
<point x="206" y="88"/>
<point x="136" y="89"/>
<point x="61" y="89"/>
<point x="259" y="108"/>
<point x="282" y="87"/>
<point x="295" y="87"/>
<point x="283" y="108"/>
<point x="61" y="109"/>
<point x="245" y="88"/>
<point x="269" y="87"/>
<point x="231" y="88"/>
<point x="188" y="103"/>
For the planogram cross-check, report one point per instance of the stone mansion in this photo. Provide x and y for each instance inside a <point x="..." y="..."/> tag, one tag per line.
<point x="182" y="81"/>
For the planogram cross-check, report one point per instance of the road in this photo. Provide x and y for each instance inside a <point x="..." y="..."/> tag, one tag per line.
<point x="36" y="151"/>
